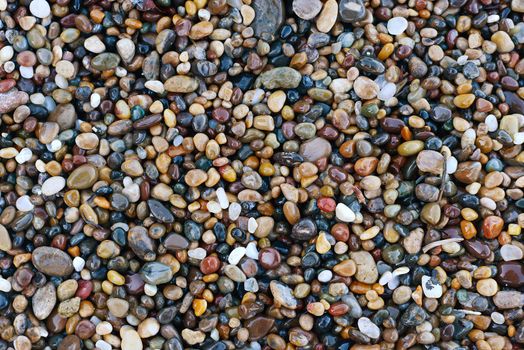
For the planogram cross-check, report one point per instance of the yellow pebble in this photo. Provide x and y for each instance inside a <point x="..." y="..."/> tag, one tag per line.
<point x="191" y="8"/>
<point x="208" y="295"/>
<point x="514" y="229"/>
<point x="107" y="287"/>
<point x="469" y="214"/>
<point x="386" y="51"/>
<point x="199" y="306"/>
<point x="464" y="88"/>
<point x="288" y="113"/>
<point x="200" y="4"/>
<point x="266" y="169"/>
<point x="210" y="278"/>
<point x="322" y="245"/>
<point x="464" y="101"/>
<point x="229" y="174"/>
<point x="169" y="118"/>
<point x="116" y="278"/>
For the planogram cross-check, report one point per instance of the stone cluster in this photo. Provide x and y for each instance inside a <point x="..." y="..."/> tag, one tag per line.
<point x="261" y="174"/>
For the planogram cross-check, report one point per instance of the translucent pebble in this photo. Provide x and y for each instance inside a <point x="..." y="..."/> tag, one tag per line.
<point x="397" y="25"/>
<point x="234" y="211"/>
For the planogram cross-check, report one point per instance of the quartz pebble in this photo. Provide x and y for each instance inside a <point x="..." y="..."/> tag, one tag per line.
<point x="397" y="25"/>
<point x="40" y="8"/>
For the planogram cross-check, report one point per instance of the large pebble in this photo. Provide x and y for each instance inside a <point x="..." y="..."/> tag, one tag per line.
<point x="52" y="261"/>
<point x="269" y="16"/>
<point x="181" y="84"/>
<point x="280" y="78"/>
<point x="367" y="271"/>
<point x="44" y="301"/>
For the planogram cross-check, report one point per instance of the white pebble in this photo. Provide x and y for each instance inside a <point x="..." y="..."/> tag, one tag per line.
<point x="150" y="289"/>
<point x="401" y="271"/>
<point x="103" y="345"/>
<point x="462" y="60"/>
<point x="155" y="86"/>
<point x="497" y="317"/>
<point x="204" y="15"/>
<point x="252" y="225"/>
<point x="197" y="253"/>
<point x="94" y="100"/>
<point x="397" y="25"/>
<point x="9" y="66"/>
<point x="214" y="334"/>
<point x="492" y="123"/>
<point x="79" y="263"/>
<point x="43" y="332"/>
<point x="489" y="203"/>
<point x="235" y="255"/>
<point x="387" y="92"/>
<point x="222" y="198"/>
<point x="385" y="278"/>
<point x="518" y="138"/>
<point x="53" y="185"/>
<point x="451" y="165"/>
<point x="510" y="252"/>
<point x="40" y="8"/>
<point x="431" y="290"/>
<point x="493" y="18"/>
<point x="213" y="207"/>
<point x="366" y="326"/>
<point x="24" y="203"/>
<point x="251" y="285"/>
<point x="37" y="99"/>
<point x="26" y="72"/>
<point x="128" y="181"/>
<point x="5" y="285"/>
<point x="24" y="155"/>
<point x="325" y="276"/>
<point x="6" y="53"/>
<point x="54" y="146"/>
<point x="394" y="283"/>
<point x="344" y="214"/>
<point x="234" y="211"/>
<point x="252" y="251"/>
<point x="40" y="166"/>
<point x="132" y="192"/>
<point x="177" y="141"/>
<point x="102" y="327"/>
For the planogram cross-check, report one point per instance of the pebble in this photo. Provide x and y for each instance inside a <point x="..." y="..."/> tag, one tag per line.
<point x="328" y="16"/>
<point x="52" y="261"/>
<point x="510" y="252"/>
<point x="366" y="326"/>
<point x="397" y="25"/>
<point x="44" y="301"/>
<point x="344" y="213"/>
<point x="40" y="8"/>
<point x="53" y="185"/>
<point x="430" y="288"/>
<point x="367" y="271"/>
<point x="283" y="295"/>
<point x="307" y="9"/>
<point x="181" y="84"/>
<point x="280" y="78"/>
<point x="269" y="16"/>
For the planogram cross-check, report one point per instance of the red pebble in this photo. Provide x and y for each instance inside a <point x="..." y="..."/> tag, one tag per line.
<point x="84" y="289"/>
<point x="209" y="265"/>
<point x="326" y="204"/>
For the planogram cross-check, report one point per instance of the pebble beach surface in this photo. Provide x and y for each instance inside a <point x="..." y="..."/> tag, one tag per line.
<point x="261" y="174"/>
